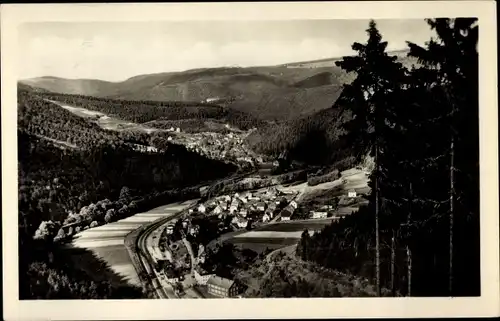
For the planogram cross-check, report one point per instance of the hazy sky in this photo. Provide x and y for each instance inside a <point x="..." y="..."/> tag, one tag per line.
<point x="116" y="51"/>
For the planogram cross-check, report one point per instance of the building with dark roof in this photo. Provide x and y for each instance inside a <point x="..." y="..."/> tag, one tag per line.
<point x="221" y="287"/>
<point x="287" y="213"/>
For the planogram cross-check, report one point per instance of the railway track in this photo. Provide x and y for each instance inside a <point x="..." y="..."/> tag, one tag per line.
<point x="143" y="257"/>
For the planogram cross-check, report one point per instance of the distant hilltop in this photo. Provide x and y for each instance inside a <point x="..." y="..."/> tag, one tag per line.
<point x="330" y="62"/>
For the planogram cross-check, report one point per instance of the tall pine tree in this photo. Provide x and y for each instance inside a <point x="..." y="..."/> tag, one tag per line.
<point x="378" y="75"/>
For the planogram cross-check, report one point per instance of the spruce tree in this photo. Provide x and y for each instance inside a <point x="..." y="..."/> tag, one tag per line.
<point x="451" y="68"/>
<point x="378" y="75"/>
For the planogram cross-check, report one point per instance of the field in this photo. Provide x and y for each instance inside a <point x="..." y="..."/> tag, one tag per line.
<point x="298" y="226"/>
<point x="107" y="241"/>
<point x="274" y="236"/>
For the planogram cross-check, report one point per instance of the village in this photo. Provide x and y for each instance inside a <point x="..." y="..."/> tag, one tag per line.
<point x="221" y="146"/>
<point x="179" y="247"/>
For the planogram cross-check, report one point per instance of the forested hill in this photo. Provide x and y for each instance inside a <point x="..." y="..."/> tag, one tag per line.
<point x="280" y="92"/>
<point x="154" y="112"/>
<point x="315" y="139"/>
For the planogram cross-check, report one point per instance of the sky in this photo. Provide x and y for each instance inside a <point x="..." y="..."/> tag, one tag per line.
<point x="115" y="51"/>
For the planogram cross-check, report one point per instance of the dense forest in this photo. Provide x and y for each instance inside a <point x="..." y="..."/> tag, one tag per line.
<point x="314" y="139"/>
<point x="419" y="235"/>
<point x="147" y="111"/>
<point x="73" y="172"/>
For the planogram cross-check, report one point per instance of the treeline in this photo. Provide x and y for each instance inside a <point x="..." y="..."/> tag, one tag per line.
<point x="146" y="111"/>
<point x="419" y="235"/>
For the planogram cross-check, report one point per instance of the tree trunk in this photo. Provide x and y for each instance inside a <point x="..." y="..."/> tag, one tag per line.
<point x="393" y="265"/>
<point x="377" y="236"/>
<point x="452" y="196"/>
<point x="408" y="251"/>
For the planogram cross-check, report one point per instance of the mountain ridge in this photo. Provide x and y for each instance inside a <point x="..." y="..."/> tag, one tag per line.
<point x="271" y="93"/>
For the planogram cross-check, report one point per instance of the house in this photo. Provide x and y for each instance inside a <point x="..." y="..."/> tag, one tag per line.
<point x="243" y="200"/>
<point x="169" y="138"/>
<point x="178" y="130"/>
<point x="217" y="210"/>
<point x="315" y="214"/>
<point x="202" y="208"/>
<point x="193" y="230"/>
<point x="269" y="213"/>
<point x="261" y="206"/>
<point x="243" y="212"/>
<point x="223" y="205"/>
<point x="190" y="211"/>
<point x="171" y="275"/>
<point x="293" y="204"/>
<point x="232" y="209"/>
<point x="266" y="218"/>
<point x="221" y="287"/>
<point x="326" y="207"/>
<point x="287" y="213"/>
<point x="234" y="220"/>
<point x="201" y="276"/>
<point x="351" y="193"/>
<point x="272" y="207"/>
<point x="185" y="223"/>
<point x="236" y="195"/>
<point x="170" y="229"/>
<point x="242" y="222"/>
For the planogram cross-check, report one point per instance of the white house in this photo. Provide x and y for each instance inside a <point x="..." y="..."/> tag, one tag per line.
<point x="194" y="230"/>
<point x="201" y="276"/>
<point x="261" y="206"/>
<point x="233" y="208"/>
<point x="178" y="130"/>
<point x="243" y="212"/>
<point x="190" y="210"/>
<point x="202" y="208"/>
<point x="266" y="218"/>
<point x="242" y="223"/>
<point x="293" y="204"/>
<point x="351" y="193"/>
<point x="319" y="214"/>
<point x="169" y="138"/>
<point x="217" y="210"/>
<point x="285" y="218"/>
<point x="170" y="229"/>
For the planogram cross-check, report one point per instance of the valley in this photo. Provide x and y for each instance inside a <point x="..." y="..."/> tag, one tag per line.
<point x="338" y="177"/>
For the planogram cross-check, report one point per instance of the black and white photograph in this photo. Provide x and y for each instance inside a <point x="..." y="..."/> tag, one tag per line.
<point x="249" y="159"/>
